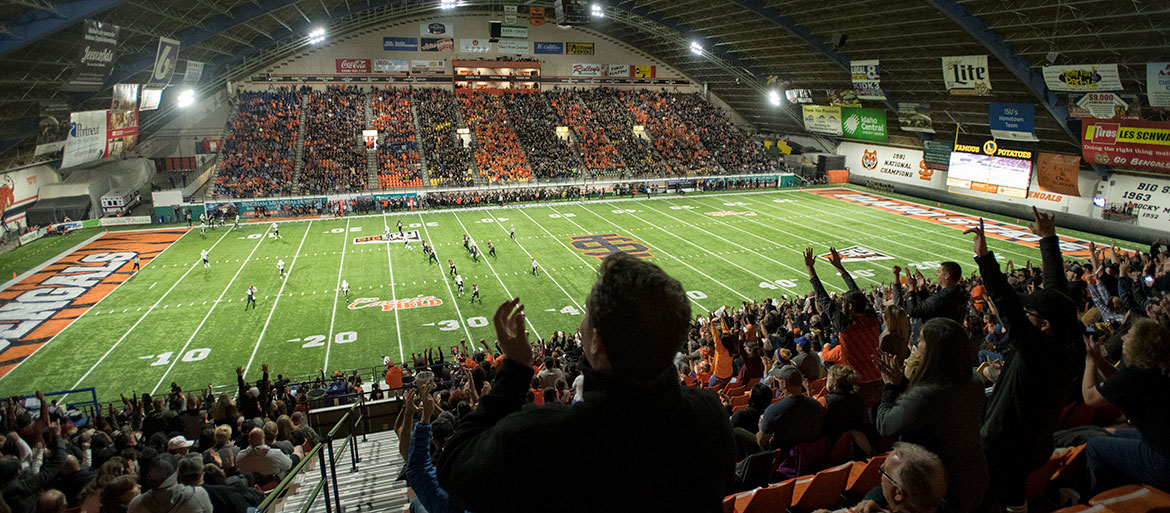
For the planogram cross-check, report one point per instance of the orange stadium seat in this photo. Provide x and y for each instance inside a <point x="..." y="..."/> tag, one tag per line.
<point x="1133" y="499"/>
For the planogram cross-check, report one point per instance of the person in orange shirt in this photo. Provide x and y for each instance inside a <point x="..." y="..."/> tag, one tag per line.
<point x="393" y="378"/>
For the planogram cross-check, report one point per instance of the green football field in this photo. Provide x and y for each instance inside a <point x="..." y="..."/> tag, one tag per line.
<point x="176" y="321"/>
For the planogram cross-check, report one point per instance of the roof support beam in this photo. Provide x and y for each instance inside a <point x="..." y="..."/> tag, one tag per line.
<point x="36" y="24"/>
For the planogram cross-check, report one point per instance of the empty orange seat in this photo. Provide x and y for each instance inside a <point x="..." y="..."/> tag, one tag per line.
<point x="820" y="490"/>
<point x="768" y="499"/>
<point x="1133" y="499"/>
<point x="816" y="386"/>
<point x="865" y="475"/>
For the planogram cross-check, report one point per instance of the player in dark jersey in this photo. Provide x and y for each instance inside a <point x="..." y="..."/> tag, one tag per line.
<point x="475" y="293"/>
<point x="466" y="243"/>
<point x="431" y="256"/>
<point x="251" y="298"/>
<point x="474" y="253"/>
<point x="491" y="249"/>
<point x="400" y="227"/>
<point x="452" y="265"/>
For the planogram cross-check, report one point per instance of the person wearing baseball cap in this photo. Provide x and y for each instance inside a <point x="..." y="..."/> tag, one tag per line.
<point x="179" y="445"/>
<point x="795" y="418"/>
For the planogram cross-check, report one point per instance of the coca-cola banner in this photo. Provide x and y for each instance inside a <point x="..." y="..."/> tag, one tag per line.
<point x="353" y="65"/>
<point x="99" y="40"/>
<point x="588" y="70"/>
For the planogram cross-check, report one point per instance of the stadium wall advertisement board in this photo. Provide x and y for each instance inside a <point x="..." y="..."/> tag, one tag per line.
<point x="937" y="154"/>
<point x="1158" y="84"/>
<point x="820" y="119"/>
<point x="1082" y="78"/>
<point x="588" y="70"/>
<point x="474" y="46"/>
<point x="400" y="44"/>
<point x="99" y="48"/>
<point x="1012" y="121"/>
<point x="352" y="65"/>
<point x="1104" y="106"/>
<point x="1150" y="198"/>
<point x="888" y="163"/>
<point x="866" y="124"/>
<point x="572" y="48"/>
<point x="87" y="138"/>
<point x="512" y="47"/>
<point x="431" y="44"/>
<point x="436" y="29"/>
<point x="1123" y="144"/>
<point x="1058" y="173"/>
<point x="548" y="48"/>
<point x="391" y="66"/>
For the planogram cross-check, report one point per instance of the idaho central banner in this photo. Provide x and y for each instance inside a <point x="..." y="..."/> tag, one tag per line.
<point x="967" y="75"/>
<point x="1083" y="77"/>
<point x="578" y="48"/>
<point x="866" y="77"/>
<point x="164" y="64"/>
<point x="915" y="117"/>
<point x="1138" y="145"/>
<point x="866" y="124"/>
<point x="100" y="41"/>
<point x="820" y="119"/>
<point x="1158" y="84"/>
<point x="1058" y="173"/>
<point x="35" y="310"/>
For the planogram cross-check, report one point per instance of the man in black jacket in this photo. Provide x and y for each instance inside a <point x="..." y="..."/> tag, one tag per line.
<point x="1043" y="354"/>
<point x="637" y="442"/>
<point x="950" y="301"/>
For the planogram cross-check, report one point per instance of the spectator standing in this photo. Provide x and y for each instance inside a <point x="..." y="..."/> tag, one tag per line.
<point x="856" y="325"/>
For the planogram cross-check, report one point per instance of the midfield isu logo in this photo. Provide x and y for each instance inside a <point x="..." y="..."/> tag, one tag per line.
<point x="411" y="235"/>
<point x="858" y="254"/>
<point x="603" y="245"/>
<point x="395" y="304"/>
<point x="44" y="304"/>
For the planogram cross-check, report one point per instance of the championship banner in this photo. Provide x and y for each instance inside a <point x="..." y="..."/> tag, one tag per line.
<point x="99" y="43"/>
<point x="936" y="155"/>
<point x="587" y="70"/>
<point x="866" y="77"/>
<point x="400" y="44"/>
<point x="474" y="46"/>
<point x="865" y="124"/>
<point x="1158" y="84"/>
<point x="1082" y="77"/>
<point x="1104" y="106"/>
<point x="87" y="138"/>
<point x="967" y="75"/>
<point x="436" y="67"/>
<point x="1058" y="173"/>
<point x="798" y="95"/>
<point x="150" y="99"/>
<point x="887" y="163"/>
<point x="436" y="29"/>
<point x="535" y="15"/>
<point x="430" y="44"/>
<point x="512" y="47"/>
<point x="194" y="72"/>
<point x="618" y="71"/>
<point x="915" y="117"/>
<point x="165" y="62"/>
<point x="843" y="98"/>
<point x="821" y="119"/>
<point x="578" y="48"/>
<point x="391" y="66"/>
<point x="1137" y="145"/>
<point x="1013" y="121"/>
<point x="513" y="32"/>
<point x="548" y="47"/>
<point x="352" y="65"/>
<point x="644" y="71"/>
<point x="125" y="97"/>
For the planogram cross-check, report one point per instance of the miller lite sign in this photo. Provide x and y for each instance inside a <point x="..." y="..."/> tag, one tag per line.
<point x="967" y="75"/>
<point x="353" y="65"/>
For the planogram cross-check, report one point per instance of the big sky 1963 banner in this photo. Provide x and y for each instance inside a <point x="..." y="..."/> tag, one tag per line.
<point x="1124" y="144"/>
<point x="967" y="75"/>
<point x="820" y="119"/>
<point x="1058" y="173"/>
<point x="99" y="43"/>
<point x="164" y="64"/>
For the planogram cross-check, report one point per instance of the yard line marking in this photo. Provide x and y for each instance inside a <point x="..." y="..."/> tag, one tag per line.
<point x="156" y="283"/>
<point x="454" y="301"/>
<point x="209" y="311"/>
<point x="275" y="301"/>
<point x="583" y="230"/>
<point x="493" y="269"/>
<point x="550" y="276"/>
<point x="332" y="318"/>
<point x="393" y="294"/>
<point x="124" y="335"/>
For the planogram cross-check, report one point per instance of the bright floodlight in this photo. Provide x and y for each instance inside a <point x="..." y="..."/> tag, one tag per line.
<point x="696" y="48"/>
<point x="774" y="97"/>
<point x="316" y="36"/>
<point x="447" y="4"/>
<point x="186" y="98"/>
<point x="595" y="10"/>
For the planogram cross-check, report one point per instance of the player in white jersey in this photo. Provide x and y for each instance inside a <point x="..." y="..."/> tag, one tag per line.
<point x="386" y="234"/>
<point x="491" y="249"/>
<point x="202" y="227"/>
<point x="237" y="221"/>
<point x="407" y="241"/>
<point x="345" y="288"/>
<point x="280" y="266"/>
<point x="459" y="283"/>
<point x="534" y="267"/>
<point x="276" y="231"/>
<point x="136" y="268"/>
<point x="204" y="255"/>
<point x="251" y="298"/>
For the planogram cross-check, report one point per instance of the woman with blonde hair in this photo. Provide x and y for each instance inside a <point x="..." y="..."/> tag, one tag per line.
<point x="895" y="337"/>
<point x="91" y="495"/>
<point x="224" y="411"/>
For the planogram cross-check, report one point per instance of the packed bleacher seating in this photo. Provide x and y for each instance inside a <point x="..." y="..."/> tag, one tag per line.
<point x="617" y="122"/>
<point x="398" y="160"/>
<point x="498" y="155"/>
<point x="334" y="160"/>
<point x="735" y="152"/>
<point x="536" y="122"/>
<point x="448" y="162"/>
<point x="259" y="148"/>
<point x="677" y="144"/>
<point x="593" y="144"/>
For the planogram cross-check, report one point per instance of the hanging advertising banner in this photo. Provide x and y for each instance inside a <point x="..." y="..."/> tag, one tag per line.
<point x="1158" y="85"/>
<point x="391" y="66"/>
<point x="798" y="95"/>
<point x="121" y="132"/>
<point x="1136" y="145"/>
<point x="150" y="99"/>
<point x="352" y="65"/>
<point x="967" y="75"/>
<point x="843" y="98"/>
<point x="437" y="67"/>
<point x="53" y="127"/>
<point x="513" y="47"/>
<point x="535" y="15"/>
<point x="194" y="72"/>
<point x="1058" y="173"/>
<point x="430" y="44"/>
<point x="866" y="77"/>
<point x="820" y="119"/>
<point x="937" y="154"/>
<point x="474" y="46"/>
<point x="578" y="48"/>
<point x="644" y="71"/>
<point x="915" y="117"/>
<point x="865" y="124"/>
<point x="510" y="14"/>
<point x="513" y="32"/>
<point x="165" y="62"/>
<point x="618" y="71"/>
<point x="1104" y="106"/>
<point x="1012" y="121"/>
<point x="125" y="97"/>
<point x="436" y="29"/>
<point x="1082" y="77"/>
<point x="548" y="47"/>
<point x="587" y="70"/>
<point x="99" y="43"/>
<point x="400" y="44"/>
<point x="87" y="138"/>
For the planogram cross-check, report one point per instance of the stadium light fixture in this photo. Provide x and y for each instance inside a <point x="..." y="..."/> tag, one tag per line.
<point x="596" y="11"/>
<point x="447" y="4"/>
<point x="774" y="97"/>
<point x="316" y="36"/>
<point x="186" y="98"/>
<point x="696" y="48"/>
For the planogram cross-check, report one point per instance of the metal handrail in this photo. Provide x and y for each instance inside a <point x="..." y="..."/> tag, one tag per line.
<point x="292" y="474"/>
<point x="325" y="444"/>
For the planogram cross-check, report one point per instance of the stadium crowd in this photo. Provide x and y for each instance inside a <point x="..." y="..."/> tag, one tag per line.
<point x="667" y="120"/>
<point x="398" y="159"/>
<point x="498" y="155"/>
<point x="332" y="161"/>
<point x="536" y="122"/>
<point x="257" y="158"/>
<point x="448" y="162"/>
<point x="594" y="146"/>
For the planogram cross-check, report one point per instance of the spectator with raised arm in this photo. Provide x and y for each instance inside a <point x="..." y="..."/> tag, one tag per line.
<point x="950" y="301"/>
<point x="856" y="325"/>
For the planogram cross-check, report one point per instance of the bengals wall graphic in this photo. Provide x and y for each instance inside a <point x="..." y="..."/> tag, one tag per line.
<point x="35" y="310"/>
